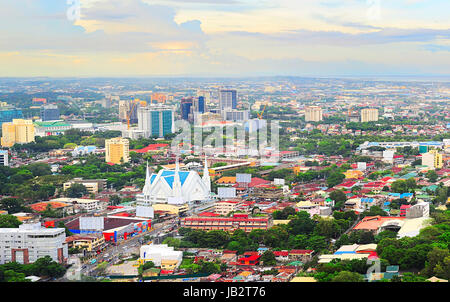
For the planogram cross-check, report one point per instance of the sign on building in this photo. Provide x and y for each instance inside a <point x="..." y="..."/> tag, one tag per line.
<point x="226" y="192"/>
<point x="278" y="181"/>
<point x="145" y="211"/>
<point x="243" y="178"/>
<point x="92" y="223"/>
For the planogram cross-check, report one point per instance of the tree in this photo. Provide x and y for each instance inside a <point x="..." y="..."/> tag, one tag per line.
<point x="399" y="186"/>
<point x="12" y="276"/>
<point x="338" y="196"/>
<point x="9" y="221"/>
<point x="345" y="276"/>
<point x="76" y="191"/>
<point x="334" y="179"/>
<point x="114" y="200"/>
<point x="268" y="258"/>
<point x="374" y="211"/>
<point x="432" y="176"/>
<point x="301" y="224"/>
<point x="12" y="205"/>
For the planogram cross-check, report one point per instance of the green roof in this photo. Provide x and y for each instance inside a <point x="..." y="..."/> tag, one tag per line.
<point x="296" y="263"/>
<point x="51" y="124"/>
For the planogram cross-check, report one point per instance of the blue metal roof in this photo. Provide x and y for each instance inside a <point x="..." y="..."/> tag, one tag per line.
<point x="367" y="200"/>
<point x="168" y="175"/>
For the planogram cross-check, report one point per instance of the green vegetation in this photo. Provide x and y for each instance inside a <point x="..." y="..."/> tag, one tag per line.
<point x="43" y="267"/>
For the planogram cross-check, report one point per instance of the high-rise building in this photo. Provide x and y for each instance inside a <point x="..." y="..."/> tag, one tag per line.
<point x="236" y="115"/>
<point x="227" y="99"/>
<point x="186" y="108"/>
<point x="123" y="110"/>
<point x="49" y="113"/>
<point x="199" y="104"/>
<point x="8" y="114"/>
<point x="369" y="115"/>
<point x="4" y="158"/>
<point x="19" y="131"/>
<point x="313" y="114"/>
<point x="156" y="120"/>
<point x="432" y="159"/>
<point x="117" y="150"/>
<point x="128" y="109"/>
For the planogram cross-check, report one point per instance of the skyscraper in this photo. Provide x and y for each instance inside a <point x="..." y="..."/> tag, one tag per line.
<point x="199" y="104"/>
<point x="49" y="113"/>
<point x="186" y="108"/>
<point x="227" y="99"/>
<point x="155" y="120"/>
<point x="117" y="150"/>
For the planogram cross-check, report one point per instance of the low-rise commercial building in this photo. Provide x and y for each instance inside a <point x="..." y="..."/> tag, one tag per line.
<point x="229" y="224"/>
<point x="29" y="242"/>
<point x="93" y="186"/>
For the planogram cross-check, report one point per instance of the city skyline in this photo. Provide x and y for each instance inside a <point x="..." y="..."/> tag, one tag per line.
<point x="203" y="38"/>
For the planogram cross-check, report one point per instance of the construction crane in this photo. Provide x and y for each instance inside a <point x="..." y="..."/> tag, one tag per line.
<point x="260" y="115"/>
<point x="131" y="112"/>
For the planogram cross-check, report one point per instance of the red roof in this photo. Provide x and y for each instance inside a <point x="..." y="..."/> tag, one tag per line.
<point x="208" y="214"/>
<point x="281" y="253"/>
<point x="347" y="184"/>
<point x="151" y="147"/>
<point x="300" y="252"/>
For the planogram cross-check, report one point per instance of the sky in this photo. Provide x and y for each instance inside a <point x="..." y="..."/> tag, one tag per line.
<point x="121" y="38"/>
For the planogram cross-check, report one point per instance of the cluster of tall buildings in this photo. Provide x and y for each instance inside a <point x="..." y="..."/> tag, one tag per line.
<point x="315" y="114"/>
<point x="190" y="107"/>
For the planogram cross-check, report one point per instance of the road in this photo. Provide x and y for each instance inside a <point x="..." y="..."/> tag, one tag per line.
<point x="128" y="246"/>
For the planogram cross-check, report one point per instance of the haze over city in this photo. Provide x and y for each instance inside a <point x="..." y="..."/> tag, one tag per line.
<point x="224" y="38"/>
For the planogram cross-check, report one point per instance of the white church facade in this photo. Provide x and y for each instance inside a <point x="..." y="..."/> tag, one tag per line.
<point x="173" y="187"/>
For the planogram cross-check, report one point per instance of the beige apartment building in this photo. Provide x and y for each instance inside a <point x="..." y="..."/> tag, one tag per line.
<point x="19" y="131"/>
<point x="93" y="186"/>
<point x="116" y="150"/>
<point x="369" y="115"/>
<point x="313" y="114"/>
<point x="225" y="207"/>
<point x="432" y="159"/>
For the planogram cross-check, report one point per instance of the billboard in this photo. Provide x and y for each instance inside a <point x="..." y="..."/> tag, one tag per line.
<point x="145" y="211"/>
<point x="278" y="181"/>
<point x="92" y="223"/>
<point x="224" y="192"/>
<point x="362" y="166"/>
<point x="243" y="178"/>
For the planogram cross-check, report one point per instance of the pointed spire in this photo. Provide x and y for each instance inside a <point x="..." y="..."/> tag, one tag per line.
<point x="176" y="180"/>
<point x="206" y="178"/>
<point x="148" y="183"/>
